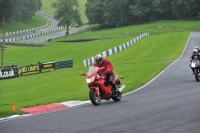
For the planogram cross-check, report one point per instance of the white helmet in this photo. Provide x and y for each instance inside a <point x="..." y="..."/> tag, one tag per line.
<point x="99" y="59"/>
<point x="195" y="51"/>
<point x="197" y="47"/>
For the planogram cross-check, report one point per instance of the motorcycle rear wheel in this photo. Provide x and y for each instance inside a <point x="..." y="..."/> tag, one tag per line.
<point x="117" y="97"/>
<point x="95" y="99"/>
<point x="196" y="74"/>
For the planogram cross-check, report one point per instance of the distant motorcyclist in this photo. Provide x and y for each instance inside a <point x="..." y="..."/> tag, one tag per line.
<point x="195" y="55"/>
<point x="100" y="61"/>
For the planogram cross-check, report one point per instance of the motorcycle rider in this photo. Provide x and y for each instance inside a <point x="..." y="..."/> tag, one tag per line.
<point x="195" y="55"/>
<point x="100" y="61"/>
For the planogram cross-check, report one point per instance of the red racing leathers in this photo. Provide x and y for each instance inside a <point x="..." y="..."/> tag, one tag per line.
<point x="108" y="66"/>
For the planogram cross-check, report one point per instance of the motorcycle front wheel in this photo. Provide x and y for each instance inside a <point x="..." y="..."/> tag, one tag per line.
<point x="95" y="99"/>
<point x="196" y="74"/>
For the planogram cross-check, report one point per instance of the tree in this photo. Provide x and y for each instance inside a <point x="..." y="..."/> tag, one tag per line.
<point x="94" y="11"/>
<point x="183" y="9"/>
<point x="67" y="12"/>
<point x="18" y="9"/>
<point x="28" y="9"/>
<point x="167" y="9"/>
<point x="9" y="9"/>
<point x="107" y="12"/>
<point x="146" y="9"/>
<point x="114" y="12"/>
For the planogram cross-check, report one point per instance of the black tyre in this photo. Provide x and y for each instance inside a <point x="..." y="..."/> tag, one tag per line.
<point x="196" y="74"/>
<point x="117" y="97"/>
<point x="96" y="100"/>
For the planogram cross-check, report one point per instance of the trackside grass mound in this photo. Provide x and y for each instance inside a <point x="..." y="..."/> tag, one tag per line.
<point x="137" y="64"/>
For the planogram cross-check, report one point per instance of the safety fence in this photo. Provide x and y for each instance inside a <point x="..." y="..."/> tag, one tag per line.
<point x="90" y="61"/>
<point x="17" y="71"/>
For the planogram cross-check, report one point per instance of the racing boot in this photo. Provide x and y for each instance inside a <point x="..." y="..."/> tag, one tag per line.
<point x="115" y="88"/>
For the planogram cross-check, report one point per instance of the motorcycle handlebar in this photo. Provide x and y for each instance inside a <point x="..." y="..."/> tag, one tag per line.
<point x="101" y="73"/>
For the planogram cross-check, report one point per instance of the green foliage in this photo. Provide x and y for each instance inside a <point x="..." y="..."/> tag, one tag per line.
<point x="47" y="3"/>
<point x="94" y="12"/>
<point x="117" y="12"/>
<point x="19" y="9"/>
<point x="67" y="13"/>
<point x="182" y="8"/>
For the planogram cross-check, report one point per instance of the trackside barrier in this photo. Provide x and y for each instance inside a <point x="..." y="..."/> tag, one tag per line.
<point x="63" y="64"/>
<point x="33" y="35"/>
<point x="17" y="71"/>
<point x="7" y="73"/>
<point x="90" y="61"/>
<point x="26" y="30"/>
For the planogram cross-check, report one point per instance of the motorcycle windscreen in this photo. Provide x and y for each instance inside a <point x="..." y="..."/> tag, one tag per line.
<point x="92" y="69"/>
<point x="195" y="63"/>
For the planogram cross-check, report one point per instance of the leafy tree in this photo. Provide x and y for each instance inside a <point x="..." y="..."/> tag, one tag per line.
<point x="183" y="9"/>
<point x="18" y="9"/>
<point x="114" y="12"/>
<point x="67" y="12"/>
<point x="28" y="9"/>
<point x="107" y="12"/>
<point x="146" y="9"/>
<point x="94" y="11"/>
<point x="8" y="9"/>
<point x="167" y="9"/>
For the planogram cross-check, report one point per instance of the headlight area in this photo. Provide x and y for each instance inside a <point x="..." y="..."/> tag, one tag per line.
<point x="90" y="80"/>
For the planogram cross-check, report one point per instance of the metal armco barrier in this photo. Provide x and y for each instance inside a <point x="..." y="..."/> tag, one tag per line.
<point x="63" y="64"/>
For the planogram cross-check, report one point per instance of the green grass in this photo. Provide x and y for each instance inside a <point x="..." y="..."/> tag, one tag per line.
<point x="46" y="7"/>
<point x="137" y="64"/>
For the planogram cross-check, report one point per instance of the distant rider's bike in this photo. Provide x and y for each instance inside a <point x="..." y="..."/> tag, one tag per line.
<point x="99" y="87"/>
<point x="195" y="65"/>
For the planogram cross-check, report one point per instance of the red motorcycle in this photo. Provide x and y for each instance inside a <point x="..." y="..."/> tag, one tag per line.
<point x="99" y="87"/>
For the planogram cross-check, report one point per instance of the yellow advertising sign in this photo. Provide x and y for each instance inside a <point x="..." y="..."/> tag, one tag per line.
<point x="27" y="70"/>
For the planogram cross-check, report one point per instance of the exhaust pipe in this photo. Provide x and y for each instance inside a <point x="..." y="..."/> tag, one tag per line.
<point x="121" y="88"/>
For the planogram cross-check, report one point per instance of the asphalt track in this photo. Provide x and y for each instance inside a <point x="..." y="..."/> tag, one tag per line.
<point x="168" y="104"/>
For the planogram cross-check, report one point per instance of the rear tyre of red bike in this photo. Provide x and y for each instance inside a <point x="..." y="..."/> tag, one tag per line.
<point x="95" y="99"/>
